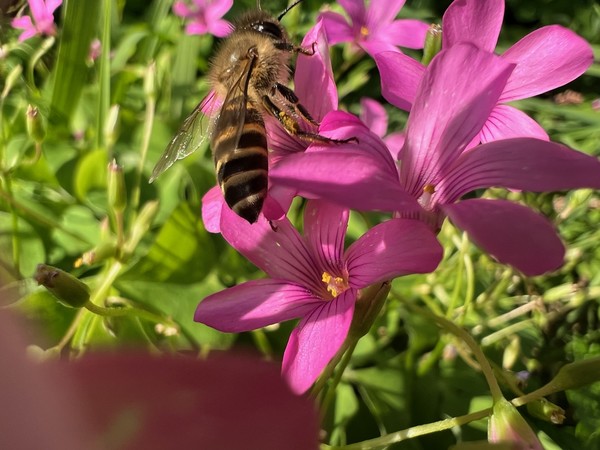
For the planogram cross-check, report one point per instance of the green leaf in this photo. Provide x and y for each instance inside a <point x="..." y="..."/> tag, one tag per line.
<point x="31" y="249"/>
<point x="90" y="174"/>
<point x="79" y="27"/>
<point x="179" y="302"/>
<point x="183" y="252"/>
<point x="81" y="221"/>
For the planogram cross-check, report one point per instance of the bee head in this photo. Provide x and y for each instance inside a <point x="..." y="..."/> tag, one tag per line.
<point x="262" y="23"/>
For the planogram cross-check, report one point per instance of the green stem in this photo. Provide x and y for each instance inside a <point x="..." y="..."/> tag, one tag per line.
<point x="484" y="364"/>
<point x="119" y="225"/>
<point x="70" y="331"/>
<point x="104" y="77"/>
<point x="331" y="389"/>
<point x="262" y="343"/>
<point x="16" y="240"/>
<point x="412" y="432"/>
<point x="128" y="312"/>
<point x="328" y="372"/>
<point x="99" y="295"/>
<point x="149" y="88"/>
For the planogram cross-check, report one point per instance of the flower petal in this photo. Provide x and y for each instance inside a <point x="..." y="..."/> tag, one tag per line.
<point x="394" y="143"/>
<point x="473" y="21"/>
<point x="181" y="9"/>
<point x="212" y="204"/>
<point x="276" y="247"/>
<point x="342" y="125"/>
<point x="363" y="186"/>
<point x="316" y="340"/>
<point x="407" y="33"/>
<point x="278" y="202"/>
<point x="325" y="227"/>
<point x="392" y="249"/>
<point x="196" y="28"/>
<point x="382" y="12"/>
<point x="22" y="23"/>
<point x="337" y="28"/>
<point x="313" y="81"/>
<point x="524" y="163"/>
<point x="546" y="59"/>
<point x="373" y="115"/>
<point x="51" y="5"/>
<point x="38" y="10"/>
<point x="506" y="122"/>
<point x="220" y="28"/>
<point x="255" y="304"/>
<point x="457" y="94"/>
<point x="400" y="78"/>
<point x="511" y="233"/>
<point x="281" y="143"/>
<point x="217" y="9"/>
<point x="356" y="10"/>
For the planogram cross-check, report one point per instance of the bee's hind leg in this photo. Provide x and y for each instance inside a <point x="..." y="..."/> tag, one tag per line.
<point x="293" y="128"/>
<point x="292" y="99"/>
<point x="289" y="47"/>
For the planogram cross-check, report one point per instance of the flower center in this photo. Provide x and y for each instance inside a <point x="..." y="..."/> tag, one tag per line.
<point x="364" y="31"/>
<point x="335" y="285"/>
<point x="425" y="198"/>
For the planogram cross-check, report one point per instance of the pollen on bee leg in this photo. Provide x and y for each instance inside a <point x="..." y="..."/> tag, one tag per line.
<point x="364" y="31"/>
<point x="335" y="285"/>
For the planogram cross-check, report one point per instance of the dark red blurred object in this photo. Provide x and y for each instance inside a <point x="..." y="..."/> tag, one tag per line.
<point x="138" y="401"/>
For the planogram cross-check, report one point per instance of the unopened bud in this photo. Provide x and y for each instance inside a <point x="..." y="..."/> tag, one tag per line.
<point x="575" y="374"/>
<point x="65" y="287"/>
<point x="11" y="79"/>
<point x="433" y="43"/>
<point x="117" y="192"/>
<point x="545" y="410"/>
<point x="511" y="353"/>
<point x="35" y="126"/>
<point x="508" y="426"/>
<point x="142" y="224"/>
<point x="370" y="301"/>
<point x="98" y="254"/>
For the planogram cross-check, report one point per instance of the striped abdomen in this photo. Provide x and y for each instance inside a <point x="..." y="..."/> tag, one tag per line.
<point x="241" y="159"/>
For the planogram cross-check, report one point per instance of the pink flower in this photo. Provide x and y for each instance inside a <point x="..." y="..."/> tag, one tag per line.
<point x="43" y="19"/>
<point x="544" y="60"/>
<point x="313" y="278"/>
<point x="205" y="16"/>
<point x="458" y="91"/>
<point x="373" y="28"/>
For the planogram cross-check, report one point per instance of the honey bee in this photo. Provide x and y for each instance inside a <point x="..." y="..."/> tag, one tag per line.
<point x="250" y="72"/>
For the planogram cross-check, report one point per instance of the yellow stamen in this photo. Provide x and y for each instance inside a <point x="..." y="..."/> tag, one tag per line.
<point x="336" y="285"/>
<point x="364" y="31"/>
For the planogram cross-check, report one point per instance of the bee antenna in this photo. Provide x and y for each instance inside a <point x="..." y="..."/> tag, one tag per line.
<point x="258" y="5"/>
<point x="287" y="9"/>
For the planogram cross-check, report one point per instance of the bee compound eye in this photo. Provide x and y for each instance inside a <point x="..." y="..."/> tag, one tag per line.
<point x="269" y="28"/>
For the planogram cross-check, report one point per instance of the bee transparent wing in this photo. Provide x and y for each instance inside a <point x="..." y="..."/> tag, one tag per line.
<point x="233" y="111"/>
<point x="187" y="140"/>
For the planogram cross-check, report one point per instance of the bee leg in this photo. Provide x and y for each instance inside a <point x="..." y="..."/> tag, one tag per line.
<point x="289" y="47"/>
<point x="291" y="97"/>
<point x="293" y="128"/>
